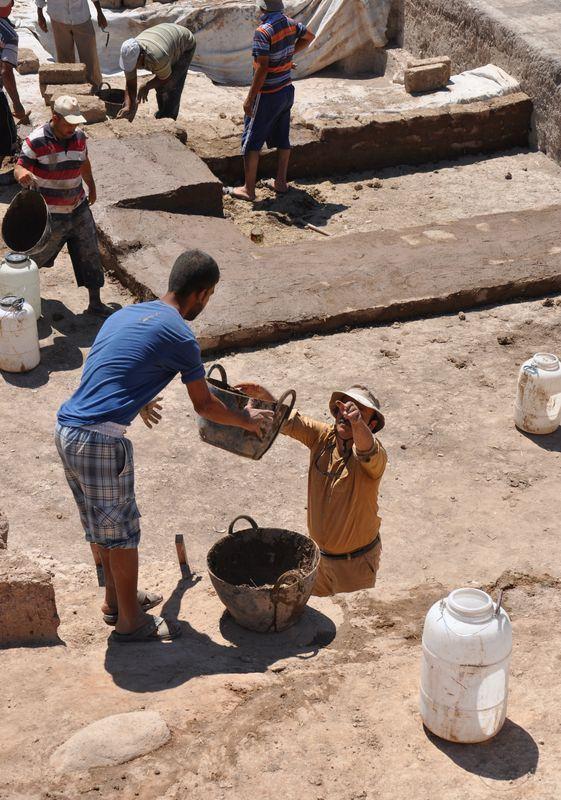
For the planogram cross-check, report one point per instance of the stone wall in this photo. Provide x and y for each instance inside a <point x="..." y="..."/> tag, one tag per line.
<point x="473" y="33"/>
<point x="412" y="137"/>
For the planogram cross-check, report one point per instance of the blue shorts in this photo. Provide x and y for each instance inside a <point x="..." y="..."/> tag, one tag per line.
<point x="270" y="122"/>
<point x="100" y="472"/>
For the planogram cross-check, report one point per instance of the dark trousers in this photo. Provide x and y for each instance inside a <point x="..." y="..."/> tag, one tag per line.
<point x="8" y="134"/>
<point x="77" y="230"/>
<point x="169" y="95"/>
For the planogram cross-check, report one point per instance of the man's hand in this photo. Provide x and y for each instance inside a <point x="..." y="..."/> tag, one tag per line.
<point x="101" y="20"/>
<point x="25" y="178"/>
<point x="92" y="195"/>
<point x="259" y="420"/>
<point x="149" y="413"/>
<point x="127" y="113"/>
<point x="143" y="93"/>
<point x="350" y="412"/>
<point x="248" y="106"/>
<point x="41" y="21"/>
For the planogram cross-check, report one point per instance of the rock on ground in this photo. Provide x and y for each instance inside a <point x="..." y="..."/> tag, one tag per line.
<point x="112" y="740"/>
<point x="28" y="613"/>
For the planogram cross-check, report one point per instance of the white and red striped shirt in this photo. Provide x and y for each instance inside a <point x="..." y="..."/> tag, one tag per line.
<point x="57" y="167"/>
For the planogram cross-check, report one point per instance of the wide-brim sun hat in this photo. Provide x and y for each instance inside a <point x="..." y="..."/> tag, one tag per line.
<point x="270" y="5"/>
<point x="362" y="397"/>
<point x="128" y="58"/>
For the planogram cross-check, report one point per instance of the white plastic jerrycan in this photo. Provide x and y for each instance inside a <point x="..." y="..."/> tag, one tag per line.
<point x="19" y="277"/>
<point x="537" y="408"/>
<point x="467" y="641"/>
<point x="19" y="341"/>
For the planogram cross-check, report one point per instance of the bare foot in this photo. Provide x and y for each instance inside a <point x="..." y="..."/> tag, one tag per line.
<point x="281" y="188"/>
<point x="241" y="193"/>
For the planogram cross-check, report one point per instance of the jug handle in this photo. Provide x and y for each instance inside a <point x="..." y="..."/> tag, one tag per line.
<point x="251" y="521"/>
<point x="222" y="371"/>
<point x="290" y="393"/>
<point x="293" y="574"/>
<point x="522" y="384"/>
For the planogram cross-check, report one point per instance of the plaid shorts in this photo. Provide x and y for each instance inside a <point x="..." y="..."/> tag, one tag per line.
<point x="100" y="472"/>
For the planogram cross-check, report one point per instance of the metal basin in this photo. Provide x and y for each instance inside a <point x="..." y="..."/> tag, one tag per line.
<point x="264" y="576"/>
<point x="26" y="225"/>
<point x="236" y="440"/>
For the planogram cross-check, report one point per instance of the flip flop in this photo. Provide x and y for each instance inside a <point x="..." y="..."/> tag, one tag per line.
<point x="147" y="601"/>
<point x="230" y="191"/>
<point x="158" y="629"/>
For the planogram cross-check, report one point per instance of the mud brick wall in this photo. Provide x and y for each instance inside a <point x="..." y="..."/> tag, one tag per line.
<point x="390" y="139"/>
<point x="471" y="35"/>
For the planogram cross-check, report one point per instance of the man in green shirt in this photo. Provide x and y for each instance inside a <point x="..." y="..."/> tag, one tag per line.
<point x="166" y="50"/>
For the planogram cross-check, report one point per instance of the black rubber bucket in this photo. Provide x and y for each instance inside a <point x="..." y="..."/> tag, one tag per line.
<point x="264" y="576"/>
<point x="114" y="99"/>
<point x="26" y="225"/>
<point x="238" y="440"/>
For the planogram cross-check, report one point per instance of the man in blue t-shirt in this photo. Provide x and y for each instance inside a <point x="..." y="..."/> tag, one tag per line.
<point x="137" y="352"/>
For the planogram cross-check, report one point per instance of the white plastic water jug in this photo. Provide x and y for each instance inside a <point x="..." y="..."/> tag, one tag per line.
<point x="537" y="408"/>
<point x="19" y="277"/>
<point x="467" y="642"/>
<point x="19" y="340"/>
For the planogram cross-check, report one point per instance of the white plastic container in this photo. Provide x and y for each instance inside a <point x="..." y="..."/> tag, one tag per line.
<point x="19" y="340"/>
<point x="19" y="277"/>
<point x="467" y="643"/>
<point x="537" y="408"/>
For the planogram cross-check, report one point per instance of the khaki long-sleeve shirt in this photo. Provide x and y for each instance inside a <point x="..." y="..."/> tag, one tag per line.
<point x="342" y="491"/>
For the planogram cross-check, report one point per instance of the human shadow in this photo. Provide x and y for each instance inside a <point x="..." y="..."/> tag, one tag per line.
<point x="550" y="441"/>
<point x="157" y="666"/>
<point x="76" y="331"/>
<point x="511" y="754"/>
<point x="298" y="207"/>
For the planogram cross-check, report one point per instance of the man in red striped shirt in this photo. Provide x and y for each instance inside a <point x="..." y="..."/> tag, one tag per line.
<point x="54" y="159"/>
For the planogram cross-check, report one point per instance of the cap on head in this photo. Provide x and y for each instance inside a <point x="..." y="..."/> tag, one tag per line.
<point x="270" y="6"/>
<point x="130" y="51"/>
<point x="363" y="397"/>
<point x="67" y="107"/>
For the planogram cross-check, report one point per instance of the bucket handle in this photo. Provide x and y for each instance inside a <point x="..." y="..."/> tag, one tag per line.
<point x="222" y="371"/>
<point x="289" y="393"/>
<point x="293" y="575"/>
<point x="251" y="521"/>
<point x="104" y="83"/>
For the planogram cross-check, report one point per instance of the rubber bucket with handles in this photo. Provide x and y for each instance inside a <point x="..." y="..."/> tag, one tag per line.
<point x="26" y="226"/>
<point x="114" y="99"/>
<point x="264" y="576"/>
<point x="237" y="440"/>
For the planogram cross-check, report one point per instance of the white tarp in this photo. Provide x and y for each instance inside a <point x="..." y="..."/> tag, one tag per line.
<point x="224" y="32"/>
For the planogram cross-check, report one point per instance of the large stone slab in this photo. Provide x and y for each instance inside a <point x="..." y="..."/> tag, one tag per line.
<point x="112" y="740"/>
<point x="61" y="74"/>
<point x="414" y="136"/>
<point x="28" y="613"/>
<point x="154" y="172"/>
<point x="77" y="90"/>
<point x="270" y="294"/>
<point x="28" y="62"/>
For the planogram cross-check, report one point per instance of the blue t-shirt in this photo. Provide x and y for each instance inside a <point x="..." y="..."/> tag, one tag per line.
<point x="137" y="352"/>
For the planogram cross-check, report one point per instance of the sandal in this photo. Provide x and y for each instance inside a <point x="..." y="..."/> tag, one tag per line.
<point x="158" y="629"/>
<point x="147" y="600"/>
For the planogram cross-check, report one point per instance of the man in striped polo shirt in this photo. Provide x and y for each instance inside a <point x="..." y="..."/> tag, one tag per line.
<point x="54" y="159"/>
<point x="271" y="95"/>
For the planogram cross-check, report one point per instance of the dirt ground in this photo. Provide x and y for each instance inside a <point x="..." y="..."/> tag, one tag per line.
<point x="330" y="707"/>
<point x="400" y="197"/>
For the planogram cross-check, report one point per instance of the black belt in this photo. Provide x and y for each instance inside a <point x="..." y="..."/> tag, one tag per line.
<point x="355" y="553"/>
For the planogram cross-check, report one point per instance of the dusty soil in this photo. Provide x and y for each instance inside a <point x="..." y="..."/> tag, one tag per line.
<point x="465" y="498"/>
<point x="400" y="197"/>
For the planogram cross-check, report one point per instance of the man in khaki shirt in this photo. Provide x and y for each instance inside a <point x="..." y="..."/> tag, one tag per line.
<point x="346" y="466"/>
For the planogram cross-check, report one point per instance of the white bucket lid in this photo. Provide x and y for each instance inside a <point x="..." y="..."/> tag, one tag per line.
<point x="547" y="361"/>
<point x="470" y="605"/>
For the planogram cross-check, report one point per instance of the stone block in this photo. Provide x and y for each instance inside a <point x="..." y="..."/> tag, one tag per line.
<point x="75" y="89"/>
<point x="28" y="613"/>
<point x="28" y="62"/>
<point x="427" y="62"/>
<point x="4" y="528"/>
<point x="59" y="74"/>
<point x="156" y="173"/>
<point x="92" y="108"/>
<point x="427" y="77"/>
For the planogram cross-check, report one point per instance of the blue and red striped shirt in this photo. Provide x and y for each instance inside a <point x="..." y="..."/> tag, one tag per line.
<point x="57" y="166"/>
<point x="276" y="38"/>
